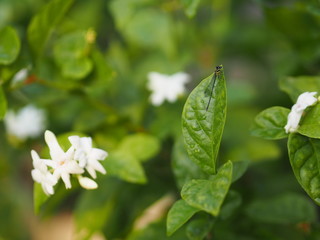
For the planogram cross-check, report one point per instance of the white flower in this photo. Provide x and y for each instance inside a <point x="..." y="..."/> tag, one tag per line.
<point x="41" y="174"/>
<point x="20" y="76"/>
<point x="29" y="122"/>
<point x="305" y="100"/>
<point x="87" y="183"/>
<point x="62" y="162"/>
<point x="166" y="87"/>
<point x="88" y="156"/>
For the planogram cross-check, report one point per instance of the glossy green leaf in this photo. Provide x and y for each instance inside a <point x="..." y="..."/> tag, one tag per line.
<point x="178" y="215"/>
<point x="39" y="197"/>
<point x="269" y="124"/>
<point x="202" y="129"/>
<point x="71" y="54"/>
<point x="208" y="195"/>
<point x="43" y="24"/>
<point x="289" y="208"/>
<point x="142" y="146"/>
<point x="9" y="45"/>
<point x="190" y="7"/>
<point x="294" y="86"/>
<point x="3" y="104"/>
<point x="199" y="228"/>
<point x="310" y="123"/>
<point x="304" y="154"/>
<point x="183" y="168"/>
<point x="124" y="166"/>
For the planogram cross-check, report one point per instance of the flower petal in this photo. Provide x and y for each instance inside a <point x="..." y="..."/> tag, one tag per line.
<point x="87" y="183"/>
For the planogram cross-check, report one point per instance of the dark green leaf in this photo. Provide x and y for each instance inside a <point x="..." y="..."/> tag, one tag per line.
<point x="124" y="166"/>
<point x="231" y="203"/>
<point x="43" y="24"/>
<point x="39" y="197"/>
<point x="294" y="86"/>
<point x="208" y="195"/>
<point x="304" y="154"/>
<point x="199" y="228"/>
<point x="310" y="123"/>
<point x="3" y="104"/>
<point x="142" y="146"/>
<point x="287" y="208"/>
<point x="202" y="129"/>
<point x="178" y="215"/>
<point x="269" y="124"/>
<point x="183" y="168"/>
<point x="9" y="45"/>
<point x="239" y="168"/>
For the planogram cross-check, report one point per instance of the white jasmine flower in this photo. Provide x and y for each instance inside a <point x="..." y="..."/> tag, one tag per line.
<point x="87" y="183"/>
<point x="62" y="162"/>
<point x="41" y="174"/>
<point x="305" y="100"/>
<point x="29" y="122"/>
<point x="20" y="76"/>
<point x="87" y="156"/>
<point x="166" y="87"/>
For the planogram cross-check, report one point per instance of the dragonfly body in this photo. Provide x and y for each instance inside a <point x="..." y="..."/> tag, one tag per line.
<point x="216" y="75"/>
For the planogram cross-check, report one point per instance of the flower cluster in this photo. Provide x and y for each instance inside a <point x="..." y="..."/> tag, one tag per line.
<point x="79" y="157"/>
<point x="166" y="87"/>
<point x="305" y="100"/>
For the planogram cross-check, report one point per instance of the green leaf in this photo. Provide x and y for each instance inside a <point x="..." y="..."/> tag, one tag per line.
<point x="190" y="7"/>
<point x="294" y="86"/>
<point x="199" y="228"/>
<point x="178" y="215"/>
<point x="3" y="104"/>
<point x="288" y="208"/>
<point x="39" y="197"/>
<point x="142" y="146"/>
<point x="9" y="45"/>
<point x="43" y="24"/>
<point x="239" y="168"/>
<point x="71" y="54"/>
<point x="231" y="203"/>
<point x="304" y="154"/>
<point x="310" y="123"/>
<point x="208" y="195"/>
<point x="124" y="166"/>
<point x="202" y="129"/>
<point x="269" y="124"/>
<point x="183" y="168"/>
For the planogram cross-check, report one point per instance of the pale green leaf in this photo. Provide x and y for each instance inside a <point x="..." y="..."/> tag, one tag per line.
<point x="3" y="104"/>
<point x="289" y="208"/>
<point x="190" y="7"/>
<point x="269" y="124"/>
<point x="9" y="45"/>
<point x="310" y="123"/>
<point x="202" y="129"/>
<point x="304" y="154"/>
<point x="178" y="215"/>
<point x="43" y="24"/>
<point x="142" y="146"/>
<point x="208" y="195"/>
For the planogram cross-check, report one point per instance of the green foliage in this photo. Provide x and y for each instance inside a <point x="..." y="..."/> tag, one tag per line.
<point x="208" y="195"/>
<point x="9" y="45"/>
<point x="3" y="104"/>
<point x="310" y="123"/>
<point x="269" y="124"/>
<point x="39" y="197"/>
<point x="190" y="7"/>
<point x="202" y="129"/>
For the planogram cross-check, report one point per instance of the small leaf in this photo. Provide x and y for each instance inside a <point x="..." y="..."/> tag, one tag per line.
<point x="190" y="7"/>
<point x="208" y="195"/>
<point x="289" y="208"/>
<point x="304" y="154"/>
<point x="3" y="104"/>
<point x="294" y="86"/>
<point x="199" y="228"/>
<point x="43" y="24"/>
<point x="9" y="45"/>
<point x="142" y="146"/>
<point x="39" y="197"/>
<point x="124" y="166"/>
<point x="202" y="129"/>
<point x="183" y="168"/>
<point x="231" y="203"/>
<point x="178" y="215"/>
<point x="310" y="123"/>
<point x="269" y="124"/>
<point x="239" y="168"/>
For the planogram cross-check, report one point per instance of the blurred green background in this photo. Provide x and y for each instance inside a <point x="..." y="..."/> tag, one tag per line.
<point x="88" y="64"/>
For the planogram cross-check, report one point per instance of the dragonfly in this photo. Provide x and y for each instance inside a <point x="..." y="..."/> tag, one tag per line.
<point x="216" y="75"/>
